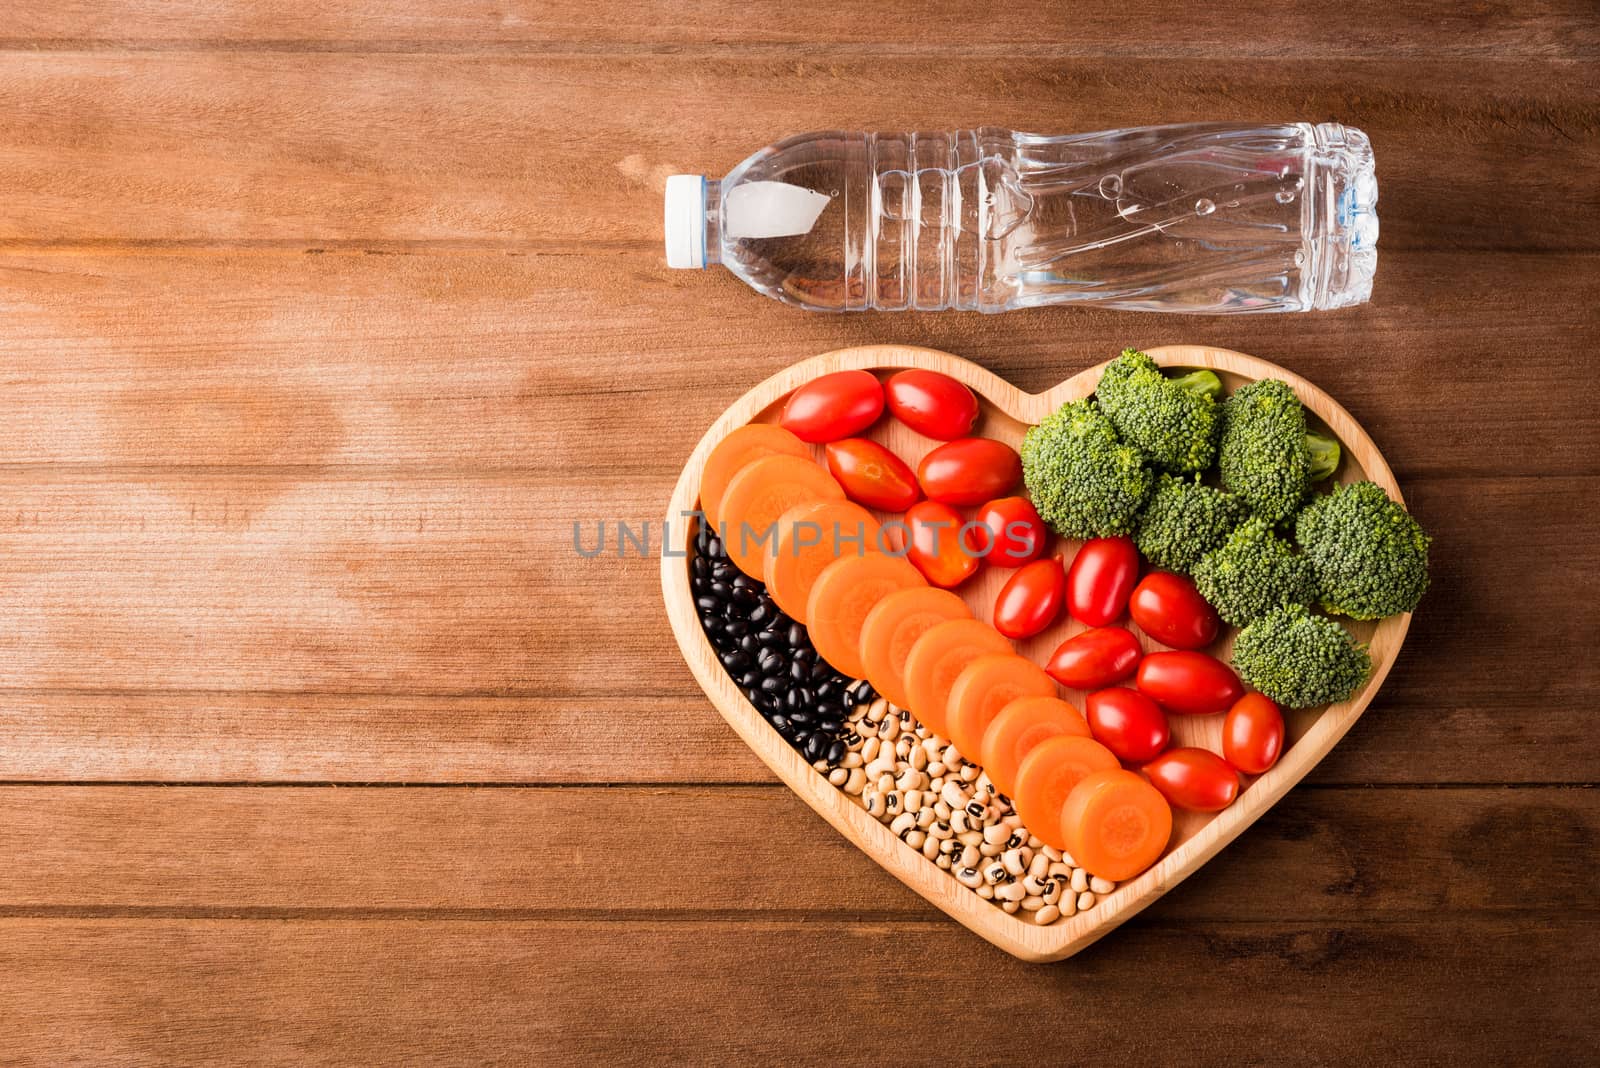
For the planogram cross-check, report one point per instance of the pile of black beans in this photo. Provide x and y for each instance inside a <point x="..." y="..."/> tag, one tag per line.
<point x="770" y="656"/>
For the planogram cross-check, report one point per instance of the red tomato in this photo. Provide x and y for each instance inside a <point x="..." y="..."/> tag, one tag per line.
<point x="872" y="475"/>
<point x="1101" y="576"/>
<point x="1127" y="722"/>
<point x="1192" y="684"/>
<point x="931" y="403"/>
<point x="935" y="546"/>
<point x="837" y="405"/>
<point x="969" y="471"/>
<point x="1031" y="599"/>
<point x="1095" y="658"/>
<point x="1169" y="609"/>
<point x="1196" y="779"/>
<point x="1252" y="734"/>
<point x="1012" y="533"/>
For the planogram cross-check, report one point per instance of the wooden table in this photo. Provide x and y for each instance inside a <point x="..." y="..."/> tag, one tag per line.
<point x="321" y="323"/>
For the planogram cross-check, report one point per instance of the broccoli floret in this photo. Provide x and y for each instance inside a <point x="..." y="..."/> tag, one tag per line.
<point x="1184" y="520"/>
<point x="1299" y="659"/>
<point x="1254" y="573"/>
<point x="1084" y="483"/>
<point x="1266" y="455"/>
<point x="1173" y="421"/>
<point x="1370" y="556"/>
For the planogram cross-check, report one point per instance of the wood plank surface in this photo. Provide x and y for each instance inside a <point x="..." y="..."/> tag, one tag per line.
<point x="324" y="149"/>
<point x="319" y="325"/>
<point x="320" y="852"/>
<point x="1360" y="28"/>
<point x="806" y="990"/>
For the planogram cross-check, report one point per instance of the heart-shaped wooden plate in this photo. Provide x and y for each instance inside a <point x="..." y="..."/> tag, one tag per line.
<point x="1006" y="414"/>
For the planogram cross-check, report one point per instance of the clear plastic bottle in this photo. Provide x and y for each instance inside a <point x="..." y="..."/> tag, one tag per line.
<point x="1205" y="217"/>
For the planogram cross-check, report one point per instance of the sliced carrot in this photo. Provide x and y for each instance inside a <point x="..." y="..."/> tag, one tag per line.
<point x="983" y="688"/>
<point x="810" y="537"/>
<point x="1020" y="726"/>
<point x="742" y="445"/>
<point x="762" y="491"/>
<point x="893" y="627"/>
<point x="935" y="660"/>
<point x="1115" y="824"/>
<point x="1047" y="775"/>
<point x="843" y="594"/>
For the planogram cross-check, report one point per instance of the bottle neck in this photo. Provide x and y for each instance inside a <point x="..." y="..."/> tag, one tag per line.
<point x="713" y="221"/>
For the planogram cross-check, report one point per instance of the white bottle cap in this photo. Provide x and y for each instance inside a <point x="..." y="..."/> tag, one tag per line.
<point x="686" y="220"/>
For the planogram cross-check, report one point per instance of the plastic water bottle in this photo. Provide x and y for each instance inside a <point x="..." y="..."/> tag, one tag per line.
<point x="1205" y="217"/>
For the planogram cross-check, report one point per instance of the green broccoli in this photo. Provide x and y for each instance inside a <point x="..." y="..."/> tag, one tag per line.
<point x="1173" y="421"/>
<point x="1370" y="556"/>
<point x="1266" y="455"/>
<point x="1299" y="659"/>
<point x="1184" y="520"/>
<point x="1082" y="480"/>
<point x="1254" y="573"/>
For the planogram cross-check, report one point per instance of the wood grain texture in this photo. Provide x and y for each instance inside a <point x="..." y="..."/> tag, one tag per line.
<point x="311" y="150"/>
<point x="809" y="990"/>
<point x="322" y="852"/>
<point x="1364" y="28"/>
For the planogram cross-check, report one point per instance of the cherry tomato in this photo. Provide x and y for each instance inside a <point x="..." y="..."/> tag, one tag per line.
<point x="1252" y="734"/>
<point x="872" y="475"/>
<point x="1192" y="684"/>
<point x="837" y="405"/>
<point x="1100" y="578"/>
<point x="969" y="471"/>
<point x="1031" y="599"/>
<point x="1127" y="722"/>
<point x="935" y="544"/>
<point x="1169" y="609"/>
<point x="1196" y="779"/>
<point x="931" y="403"/>
<point x="1012" y="533"/>
<point x="1095" y="658"/>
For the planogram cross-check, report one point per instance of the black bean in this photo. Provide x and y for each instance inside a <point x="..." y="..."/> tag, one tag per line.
<point x="707" y="603"/>
<point x="770" y="662"/>
<point x="736" y="628"/>
<point x="804" y="656"/>
<point x="830" y="727"/>
<point x="798" y="670"/>
<point x="815" y="746"/>
<point x="771" y="684"/>
<point x="734" y="660"/>
<point x="748" y="645"/>
<point x="805" y="719"/>
<point x="778" y="721"/>
<point x="720" y="590"/>
<point x="714" y="547"/>
<point x="699" y="565"/>
<point x="797" y="636"/>
<point x="758" y="614"/>
<point x="821" y="670"/>
<point x="824" y="689"/>
<point x="752" y="694"/>
<point x="772" y="638"/>
<point x="836" y="751"/>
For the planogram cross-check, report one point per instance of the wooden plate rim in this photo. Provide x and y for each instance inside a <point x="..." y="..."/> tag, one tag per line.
<point x="1017" y="936"/>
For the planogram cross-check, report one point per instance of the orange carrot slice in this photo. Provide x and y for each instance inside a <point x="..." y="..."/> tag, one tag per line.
<point x="742" y="445"/>
<point x="810" y="537"/>
<point x="983" y="688"/>
<point x="893" y="627"/>
<point x="843" y="594"/>
<point x="1020" y="726"/>
<point x="762" y="491"/>
<point x="937" y="658"/>
<point x="1047" y="775"/>
<point x="1115" y="824"/>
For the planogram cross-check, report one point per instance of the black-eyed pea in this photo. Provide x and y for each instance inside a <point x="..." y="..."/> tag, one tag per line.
<point x="1052" y="891"/>
<point x="1035" y="842"/>
<point x="838" y="776"/>
<point x="1036" y="885"/>
<point x="1047" y="915"/>
<point x="994" y="873"/>
<point x="1039" y="866"/>
<point x="884" y="782"/>
<point x="855" y="782"/>
<point x="1066" y="858"/>
<point x="969" y="877"/>
<point x="942" y="809"/>
<point x="1101" y="886"/>
<point x="1009" y="906"/>
<point x="971" y="838"/>
<point x="935" y="769"/>
<point x="941" y="829"/>
<point x="869" y="749"/>
<point x="903" y="823"/>
<point x="1058" y="869"/>
<point x="990" y="850"/>
<point x="958" y="820"/>
<point x="930" y="849"/>
<point x="877" y="710"/>
<point x="986" y="892"/>
<point x="996" y="834"/>
<point x="915" y="838"/>
<point x="970" y="773"/>
<point x="1052" y="852"/>
<point x="970" y="857"/>
<point x="1068" y="904"/>
<point x="1080" y="881"/>
<point x="926" y="818"/>
<point x="851" y="760"/>
<point x="1032" y="903"/>
<point x="1086" y="901"/>
<point x="943" y="861"/>
<point x="914" y="801"/>
<point x="889" y="730"/>
<point x="918" y="757"/>
<point x="1010" y="892"/>
<point x="951" y="756"/>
